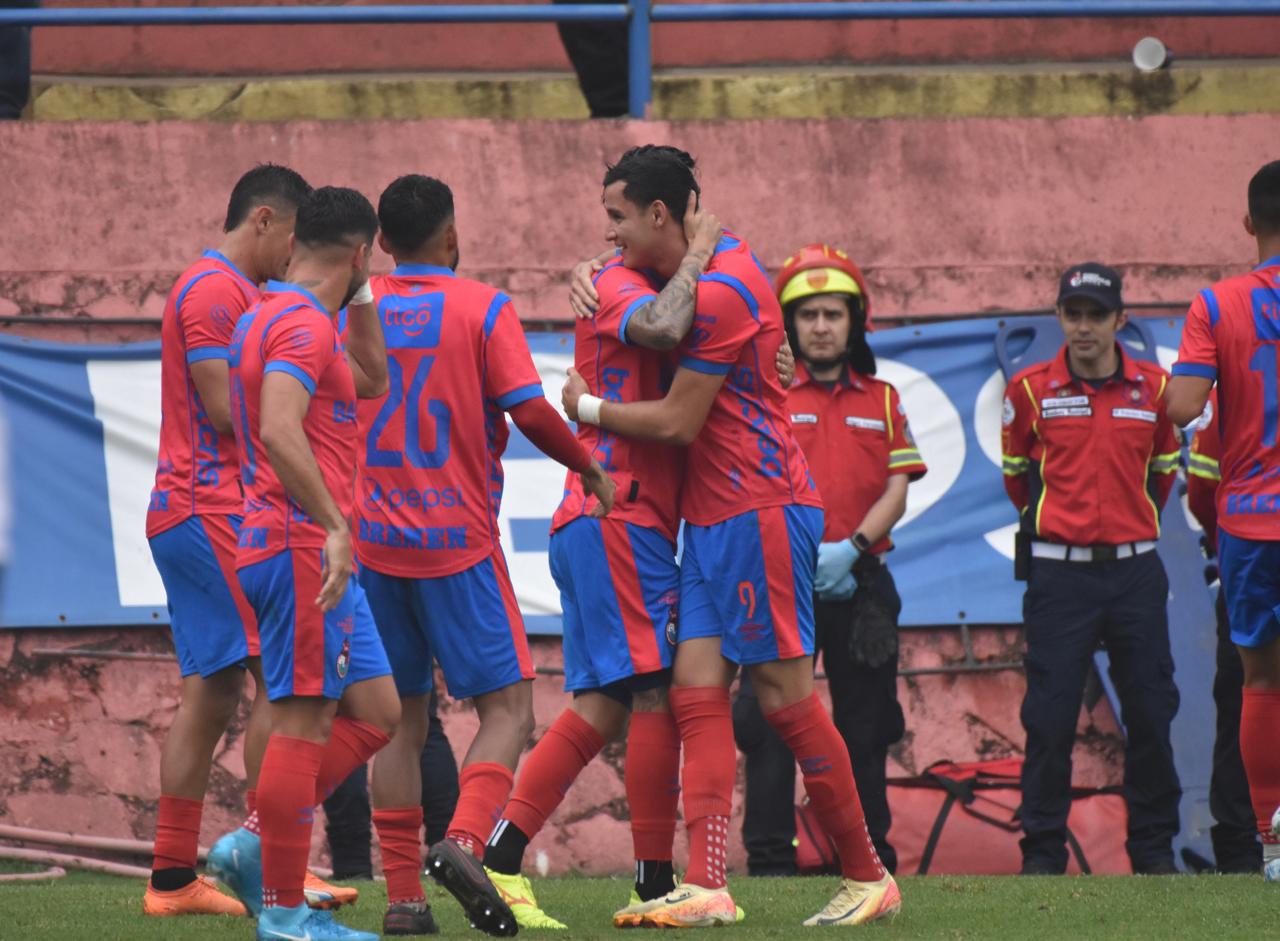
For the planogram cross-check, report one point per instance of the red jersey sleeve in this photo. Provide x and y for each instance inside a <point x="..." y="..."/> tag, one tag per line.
<point x="1198" y="351"/>
<point x="723" y="323"/>
<point x="206" y="317"/>
<point x="302" y="344"/>
<point x="1017" y="435"/>
<point x="622" y="292"/>
<point x="509" y="375"/>
<point x="904" y="455"/>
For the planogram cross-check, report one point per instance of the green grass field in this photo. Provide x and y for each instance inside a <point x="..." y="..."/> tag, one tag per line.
<point x="97" y="908"/>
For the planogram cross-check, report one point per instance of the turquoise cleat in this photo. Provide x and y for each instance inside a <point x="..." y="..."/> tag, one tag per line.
<point x="236" y="859"/>
<point x="305" y="924"/>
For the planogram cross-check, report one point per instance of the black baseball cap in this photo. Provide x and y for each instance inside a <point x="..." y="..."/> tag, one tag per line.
<point x="1094" y="281"/>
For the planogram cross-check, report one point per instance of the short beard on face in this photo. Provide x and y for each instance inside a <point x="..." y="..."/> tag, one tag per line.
<point x="821" y="364"/>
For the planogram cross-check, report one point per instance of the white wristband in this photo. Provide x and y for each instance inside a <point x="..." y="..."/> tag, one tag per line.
<point x="589" y="409"/>
<point x="364" y="295"/>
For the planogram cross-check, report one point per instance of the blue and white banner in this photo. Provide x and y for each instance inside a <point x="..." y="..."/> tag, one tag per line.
<point x="84" y="426"/>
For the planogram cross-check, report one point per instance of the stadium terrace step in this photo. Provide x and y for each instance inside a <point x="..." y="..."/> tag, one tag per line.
<point x="1044" y="90"/>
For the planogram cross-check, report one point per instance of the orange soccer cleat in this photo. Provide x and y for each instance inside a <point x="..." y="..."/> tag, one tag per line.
<point x="320" y="894"/>
<point x="200" y="897"/>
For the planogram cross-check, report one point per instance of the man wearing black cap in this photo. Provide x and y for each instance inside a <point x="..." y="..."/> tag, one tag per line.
<point x="1089" y="460"/>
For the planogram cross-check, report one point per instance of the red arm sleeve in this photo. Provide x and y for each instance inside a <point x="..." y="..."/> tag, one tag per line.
<point x="1019" y="412"/>
<point x="1203" y="472"/>
<point x="542" y="425"/>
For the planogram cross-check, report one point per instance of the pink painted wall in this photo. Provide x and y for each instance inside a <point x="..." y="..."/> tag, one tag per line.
<point x="513" y="47"/>
<point x="942" y="215"/>
<point x="81" y="747"/>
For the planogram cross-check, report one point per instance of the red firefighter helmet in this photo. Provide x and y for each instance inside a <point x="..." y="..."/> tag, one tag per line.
<point x="821" y="269"/>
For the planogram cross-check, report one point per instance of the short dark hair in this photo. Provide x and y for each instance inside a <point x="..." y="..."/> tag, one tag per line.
<point x="269" y="183"/>
<point x="335" y="215"/>
<point x="1264" y="199"/>
<point x="412" y="210"/>
<point x="656" y="172"/>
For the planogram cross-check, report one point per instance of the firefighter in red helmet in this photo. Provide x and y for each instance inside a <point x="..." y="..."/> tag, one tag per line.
<point x="854" y="433"/>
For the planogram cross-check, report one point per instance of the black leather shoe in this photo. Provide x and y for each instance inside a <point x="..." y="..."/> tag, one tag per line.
<point x="462" y="875"/>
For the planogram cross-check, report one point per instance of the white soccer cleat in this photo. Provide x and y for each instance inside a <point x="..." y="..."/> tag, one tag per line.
<point x="859" y="902"/>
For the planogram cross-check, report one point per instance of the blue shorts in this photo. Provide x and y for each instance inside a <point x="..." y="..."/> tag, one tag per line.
<point x="306" y="651"/>
<point x="1250" y="573"/>
<point x="469" y="622"/>
<point x="619" y="588"/>
<point x="213" y="624"/>
<point x="749" y="581"/>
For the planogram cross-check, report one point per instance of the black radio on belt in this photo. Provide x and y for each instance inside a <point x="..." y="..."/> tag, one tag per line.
<point x="1021" y="555"/>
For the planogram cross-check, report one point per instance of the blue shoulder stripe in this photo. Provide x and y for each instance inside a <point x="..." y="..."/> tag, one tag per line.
<point x="499" y="301"/>
<point x="1211" y="305"/>
<point x="747" y="297"/>
<point x="182" y="295"/>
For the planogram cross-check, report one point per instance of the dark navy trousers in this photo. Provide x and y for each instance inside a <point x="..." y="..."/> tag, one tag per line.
<point x="1069" y="609"/>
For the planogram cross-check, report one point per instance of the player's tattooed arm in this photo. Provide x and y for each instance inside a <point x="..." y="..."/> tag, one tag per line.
<point x="664" y="322"/>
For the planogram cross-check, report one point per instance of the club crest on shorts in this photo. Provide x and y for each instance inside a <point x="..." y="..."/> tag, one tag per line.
<point x="672" y="600"/>
<point x="344" y="658"/>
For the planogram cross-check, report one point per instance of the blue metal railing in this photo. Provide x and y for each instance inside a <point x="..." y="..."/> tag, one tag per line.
<point x="640" y="15"/>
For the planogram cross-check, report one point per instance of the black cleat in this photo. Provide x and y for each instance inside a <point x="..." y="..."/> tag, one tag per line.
<point x="464" y="878"/>
<point x="409" y="918"/>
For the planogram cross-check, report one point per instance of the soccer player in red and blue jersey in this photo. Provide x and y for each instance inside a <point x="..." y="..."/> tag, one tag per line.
<point x="1232" y="337"/>
<point x="294" y="387"/>
<point x="193" y="521"/>
<point x="753" y="523"/>
<point x="619" y="588"/>
<point x="430" y="485"/>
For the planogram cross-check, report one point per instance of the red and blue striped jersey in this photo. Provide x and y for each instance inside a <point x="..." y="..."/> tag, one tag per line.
<point x="1232" y="335"/>
<point x="290" y="332"/>
<point x="197" y="470"/>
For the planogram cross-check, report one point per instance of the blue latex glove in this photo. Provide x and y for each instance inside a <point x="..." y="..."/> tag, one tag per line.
<point x="842" y="590"/>
<point x="835" y="559"/>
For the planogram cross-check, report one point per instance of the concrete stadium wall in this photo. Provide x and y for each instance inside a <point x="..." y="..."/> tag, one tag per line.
<point x="515" y="47"/>
<point x="81" y="747"/>
<point x="944" y="215"/>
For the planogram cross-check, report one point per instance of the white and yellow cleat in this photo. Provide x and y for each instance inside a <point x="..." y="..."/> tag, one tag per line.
<point x="518" y="894"/>
<point x="691" y="906"/>
<point x="633" y="915"/>
<point x="859" y="902"/>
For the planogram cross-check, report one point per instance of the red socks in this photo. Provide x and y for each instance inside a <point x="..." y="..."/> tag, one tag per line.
<point x="400" y="836"/>
<point x="550" y="770"/>
<point x="298" y="774"/>
<point x="828" y="780"/>
<point x="1259" y="720"/>
<point x="482" y="792"/>
<point x="251" y="804"/>
<point x="286" y="801"/>
<point x="653" y="782"/>
<point x="351" y="744"/>
<point x="710" y="765"/>
<point x="177" y="833"/>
